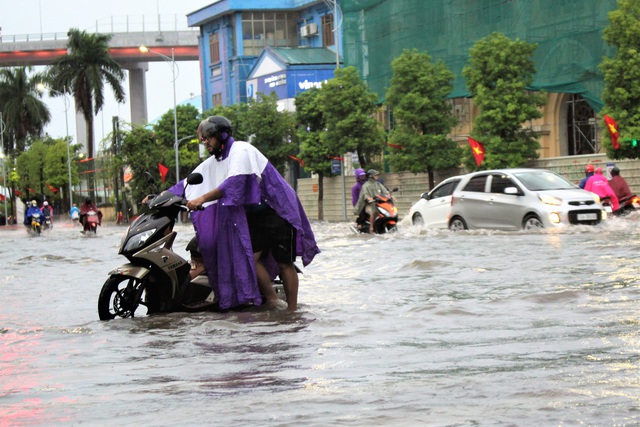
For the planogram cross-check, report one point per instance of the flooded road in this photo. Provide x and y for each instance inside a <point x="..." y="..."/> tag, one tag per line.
<point x="412" y="328"/>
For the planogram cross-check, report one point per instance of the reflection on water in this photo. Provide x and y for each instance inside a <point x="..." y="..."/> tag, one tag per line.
<point x="420" y="327"/>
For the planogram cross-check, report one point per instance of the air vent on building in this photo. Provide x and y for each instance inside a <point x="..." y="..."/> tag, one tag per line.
<point x="309" y="30"/>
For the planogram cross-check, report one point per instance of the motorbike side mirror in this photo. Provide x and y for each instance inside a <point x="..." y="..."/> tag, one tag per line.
<point x="195" y="178"/>
<point x="394" y="190"/>
<point x="148" y="177"/>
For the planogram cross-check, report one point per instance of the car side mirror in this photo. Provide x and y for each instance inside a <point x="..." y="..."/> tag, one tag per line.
<point x="511" y="190"/>
<point x="425" y="196"/>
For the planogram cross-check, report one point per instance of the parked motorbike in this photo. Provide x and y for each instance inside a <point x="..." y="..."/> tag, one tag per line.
<point x="386" y="216"/>
<point x="156" y="277"/>
<point x="91" y="222"/>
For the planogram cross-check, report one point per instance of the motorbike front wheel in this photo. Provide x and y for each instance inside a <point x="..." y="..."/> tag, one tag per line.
<point x="121" y="296"/>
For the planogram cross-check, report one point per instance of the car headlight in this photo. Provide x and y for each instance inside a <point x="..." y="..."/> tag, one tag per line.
<point x="596" y="198"/>
<point x="550" y="200"/>
<point x="138" y="240"/>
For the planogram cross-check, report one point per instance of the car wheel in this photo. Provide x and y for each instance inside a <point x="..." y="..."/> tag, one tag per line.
<point x="457" y="224"/>
<point x="417" y="219"/>
<point x="532" y="222"/>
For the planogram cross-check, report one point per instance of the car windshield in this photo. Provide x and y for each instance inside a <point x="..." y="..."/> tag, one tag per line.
<point x="543" y="180"/>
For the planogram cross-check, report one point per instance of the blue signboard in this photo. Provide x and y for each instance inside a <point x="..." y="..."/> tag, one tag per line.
<point x="286" y="84"/>
<point x="336" y="168"/>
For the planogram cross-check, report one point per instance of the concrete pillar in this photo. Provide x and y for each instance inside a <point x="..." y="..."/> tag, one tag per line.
<point x="81" y="130"/>
<point x="138" y="92"/>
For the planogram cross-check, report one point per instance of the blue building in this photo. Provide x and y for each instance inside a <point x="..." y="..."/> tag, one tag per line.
<point x="235" y="33"/>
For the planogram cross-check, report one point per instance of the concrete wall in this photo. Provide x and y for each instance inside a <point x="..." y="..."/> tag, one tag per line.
<point x="411" y="186"/>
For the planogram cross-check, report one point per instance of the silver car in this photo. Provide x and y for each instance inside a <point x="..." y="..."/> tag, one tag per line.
<point x="433" y="208"/>
<point x="514" y="199"/>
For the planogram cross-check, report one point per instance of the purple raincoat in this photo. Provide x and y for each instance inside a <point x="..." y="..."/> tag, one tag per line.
<point x="245" y="177"/>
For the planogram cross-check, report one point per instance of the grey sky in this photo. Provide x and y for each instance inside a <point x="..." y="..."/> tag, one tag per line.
<point x="57" y="16"/>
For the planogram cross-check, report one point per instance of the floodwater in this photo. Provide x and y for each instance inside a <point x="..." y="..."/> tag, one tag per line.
<point x="412" y="328"/>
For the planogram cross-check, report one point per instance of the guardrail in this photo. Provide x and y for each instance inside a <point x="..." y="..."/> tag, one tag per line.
<point x="154" y="24"/>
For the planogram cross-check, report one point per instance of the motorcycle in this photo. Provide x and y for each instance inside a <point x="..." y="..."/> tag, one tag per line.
<point x="156" y="277"/>
<point x="627" y="205"/>
<point x="35" y="225"/>
<point x="46" y="222"/>
<point x="91" y="221"/>
<point x="386" y="216"/>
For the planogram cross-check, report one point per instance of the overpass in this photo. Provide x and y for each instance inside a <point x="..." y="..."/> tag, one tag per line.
<point x="165" y="38"/>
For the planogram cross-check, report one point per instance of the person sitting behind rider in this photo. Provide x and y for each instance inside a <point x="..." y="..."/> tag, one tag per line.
<point x="87" y="206"/>
<point x="619" y="185"/>
<point x="47" y="211"/>
<point x="33" y="208"/>
<point x="370" y="190"/>
<point x="588" y="172"/>
<point x="361" y="178"/>
<point x="598" y="184"/>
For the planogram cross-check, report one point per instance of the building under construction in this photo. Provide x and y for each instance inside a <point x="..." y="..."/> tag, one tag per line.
<point x="568" y="33"/>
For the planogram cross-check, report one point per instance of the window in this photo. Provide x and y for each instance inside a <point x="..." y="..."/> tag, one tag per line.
<point x="214" y="46"/>
<point x="327" y="30"/>
<point x="476" y="184"/>
<point x="217" y="99"/>
<point x="262" y="29"/>
<point x="445" y="189"/>
<point x="500" y="182"/>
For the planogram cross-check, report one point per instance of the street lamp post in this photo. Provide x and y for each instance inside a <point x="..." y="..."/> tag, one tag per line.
<point x="41" y="87"/>
<point x="4" y="174"/>
<point x="172" y="59"/>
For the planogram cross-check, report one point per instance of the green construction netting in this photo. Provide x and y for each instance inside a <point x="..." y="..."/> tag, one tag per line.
<point x="568" y="34"/>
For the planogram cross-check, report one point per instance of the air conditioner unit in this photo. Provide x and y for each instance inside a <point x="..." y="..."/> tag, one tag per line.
<point x="313" y="29"/>
<point x="309" y="30"/>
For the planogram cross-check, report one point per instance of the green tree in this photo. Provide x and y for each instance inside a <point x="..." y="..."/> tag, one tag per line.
<point x="24" y="114"/>
<point x="498" y="74"/>
<point x="30" y="167"/>
<point x="142" y="152"/>
<point x="56" y="168"/>
<point x="270" y="130"/>
<point x="188" y="119"/>
<point x="349" y="109"/>
<point x="418" y="98"/>
<point x="621" y="94"/>
<point x="315" y="154"/>
<point x="83" y="72"/>
<point x="23" y="111"/>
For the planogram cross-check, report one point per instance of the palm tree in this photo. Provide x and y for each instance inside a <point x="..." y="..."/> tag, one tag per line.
<point x="82" y="73"/>
<point x="23" y="111"/>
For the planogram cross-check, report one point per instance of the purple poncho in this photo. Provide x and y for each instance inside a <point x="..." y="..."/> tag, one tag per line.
<point x="245" y="177"/>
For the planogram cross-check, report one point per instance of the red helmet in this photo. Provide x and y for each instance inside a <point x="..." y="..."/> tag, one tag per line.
<point x="589" y="169"/>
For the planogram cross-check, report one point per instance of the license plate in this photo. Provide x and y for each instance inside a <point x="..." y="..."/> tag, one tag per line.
<point x="588" y="216"/>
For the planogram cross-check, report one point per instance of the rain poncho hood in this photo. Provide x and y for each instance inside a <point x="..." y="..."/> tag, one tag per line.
<point x="245" y="177"/>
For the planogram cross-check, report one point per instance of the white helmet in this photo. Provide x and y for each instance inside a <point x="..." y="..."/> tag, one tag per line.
<point x="34" y="203"/>
<point x="46" y="203"/>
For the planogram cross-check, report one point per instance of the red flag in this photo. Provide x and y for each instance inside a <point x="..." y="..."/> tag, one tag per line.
<point x="163" y="171"/>
<point x="612" y="126"/>
<point x="395" y="146"/>
<point x="18" y="193"/>
<point x="297" y="159"/>
<point x="52" y="188"/>
<point x="477" y="149"/>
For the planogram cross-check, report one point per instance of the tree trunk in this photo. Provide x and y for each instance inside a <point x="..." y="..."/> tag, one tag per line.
<point x="91" y="177"/>
<point x="431" y="176"/>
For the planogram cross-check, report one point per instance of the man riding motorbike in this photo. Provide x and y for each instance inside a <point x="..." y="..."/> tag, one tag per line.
<point x="370" y="190"/>
<point x="87" y="206"/>
<point x="33" y="209"/>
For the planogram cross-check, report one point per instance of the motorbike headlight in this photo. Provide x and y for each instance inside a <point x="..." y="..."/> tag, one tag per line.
<point x="550" y="200"/>
<point x="138" y="240"/>
<point x="384" y="212"/>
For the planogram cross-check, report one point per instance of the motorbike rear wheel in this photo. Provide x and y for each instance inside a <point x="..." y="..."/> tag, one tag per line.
<point x="121" y="296"/>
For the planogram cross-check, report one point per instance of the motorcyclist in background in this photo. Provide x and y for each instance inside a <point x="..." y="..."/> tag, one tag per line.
<point x="366" y="201"/>
<point x="598" y="184"/>
<point x="588" y="172"/>
<point x="47" y="211"/>
<point x="620" y="186"/>
<point x="33" y="208"/>
<point x="87" y="206"/>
